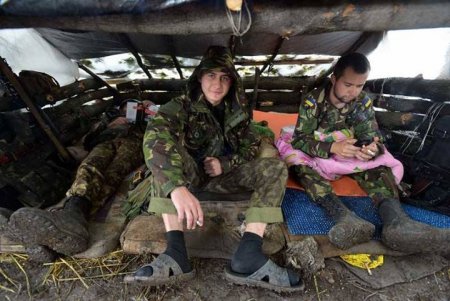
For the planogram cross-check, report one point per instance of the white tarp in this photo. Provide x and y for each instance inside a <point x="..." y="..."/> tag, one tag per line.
<point x="25" y="49"/>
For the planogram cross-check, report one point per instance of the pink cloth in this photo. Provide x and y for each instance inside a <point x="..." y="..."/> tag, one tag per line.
<point x="335" y="166"/>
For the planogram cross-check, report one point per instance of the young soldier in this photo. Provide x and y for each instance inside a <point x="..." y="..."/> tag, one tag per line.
<point x="202" y="141"/>
<point x="342" y="105"/>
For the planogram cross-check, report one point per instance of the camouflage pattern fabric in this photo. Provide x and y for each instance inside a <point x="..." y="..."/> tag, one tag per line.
<point x="379" y="182"/>
<point x="189" y="123"/>
<point x="316" y="113"/>
<point x="265" y="177"/>
<point x="108" y="163"/>
<point x="184" y="132"/>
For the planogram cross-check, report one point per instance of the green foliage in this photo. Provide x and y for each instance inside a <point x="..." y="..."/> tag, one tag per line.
<point x="86" y="62"/>
<point x="130" y="62"/>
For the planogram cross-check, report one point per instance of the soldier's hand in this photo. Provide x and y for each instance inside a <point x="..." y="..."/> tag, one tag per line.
<point x="345" y="148"/>
<point x="368" y="152"/>
<point x="118" y="121"/>
<point x="212" y="165"/>
<point x="188" y="207"/>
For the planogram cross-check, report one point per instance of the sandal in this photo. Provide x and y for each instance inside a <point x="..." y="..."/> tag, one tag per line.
<point x="269" y="276"/>
<point x="165" y="271"/>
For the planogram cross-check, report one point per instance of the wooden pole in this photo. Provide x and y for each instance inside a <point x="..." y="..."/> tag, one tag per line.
<point x="129" y="44"/>
<point x="7" y="72"/>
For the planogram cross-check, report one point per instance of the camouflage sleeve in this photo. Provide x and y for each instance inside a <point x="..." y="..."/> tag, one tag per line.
<point x="160" y="146"/>
<point x="307" y="123"/>
<point x="363" y="120"/>
<point x="249" y="141"/>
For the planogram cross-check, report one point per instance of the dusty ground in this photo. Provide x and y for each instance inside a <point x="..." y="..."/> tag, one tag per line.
<point x="335" y="282"/>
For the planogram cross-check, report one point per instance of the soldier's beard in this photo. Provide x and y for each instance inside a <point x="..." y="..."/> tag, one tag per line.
<point x="341" y="99"/>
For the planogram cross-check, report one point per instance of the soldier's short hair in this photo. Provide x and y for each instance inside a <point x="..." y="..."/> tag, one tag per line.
<point x="357" y="61"/>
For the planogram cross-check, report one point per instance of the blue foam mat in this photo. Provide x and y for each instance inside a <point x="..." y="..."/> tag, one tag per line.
<point x="303" y="217"/>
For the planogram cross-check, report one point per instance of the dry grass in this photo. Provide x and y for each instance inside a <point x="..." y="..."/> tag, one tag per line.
<point x="63" y="270"/>
<point x="67" y="273"/>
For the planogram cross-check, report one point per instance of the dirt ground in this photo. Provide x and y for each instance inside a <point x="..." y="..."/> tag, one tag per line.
<point x="335" y="282"/>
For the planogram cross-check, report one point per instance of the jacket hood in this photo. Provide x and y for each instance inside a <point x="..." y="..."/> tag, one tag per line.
<point x="217" y="58"/>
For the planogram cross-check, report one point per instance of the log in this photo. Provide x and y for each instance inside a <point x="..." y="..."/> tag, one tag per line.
<point x="265" y="98"/>
<point x="74" y="89"/>
<point x="7" y="103"/>
<point x="74" y="104"/>
<point x="398" y="104"/>
<point x="274" y="17"/>
<point x="398" y="120"/>
<point x="305" y="61"/>
<point x="265" y="83"/>
<point x="158" y="98"/>
<point x="437" y="90"/>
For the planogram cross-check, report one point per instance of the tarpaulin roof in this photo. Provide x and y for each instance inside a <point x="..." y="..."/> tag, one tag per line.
<point x="82" y="29"/>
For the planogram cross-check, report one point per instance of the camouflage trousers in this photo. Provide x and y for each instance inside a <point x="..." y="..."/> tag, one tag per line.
<point x="378" y="183"/>
<point x="264" y="177"/>
<point x="101" y="172"/>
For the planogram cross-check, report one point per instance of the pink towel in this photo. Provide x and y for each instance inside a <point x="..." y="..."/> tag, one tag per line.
<point x="335" y="166"/>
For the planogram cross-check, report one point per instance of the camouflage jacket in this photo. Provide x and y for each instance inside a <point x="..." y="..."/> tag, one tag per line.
<point x="192" y="125"/>
<point x="316" y="113"/>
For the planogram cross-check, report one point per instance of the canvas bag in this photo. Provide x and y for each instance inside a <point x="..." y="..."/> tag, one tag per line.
<point x="39" y="85"/>
<point x="431" y="171"/>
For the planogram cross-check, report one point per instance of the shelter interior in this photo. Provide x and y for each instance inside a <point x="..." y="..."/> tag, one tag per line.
<point x="37" y="127"/>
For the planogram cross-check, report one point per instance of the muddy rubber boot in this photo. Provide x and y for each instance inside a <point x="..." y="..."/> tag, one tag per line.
<point x="64" y="230"/>
<point x="349" y="229"/>
<point x="401" y="233"/>
<point x="4" y="217"/>
<point x="40" y="254"/>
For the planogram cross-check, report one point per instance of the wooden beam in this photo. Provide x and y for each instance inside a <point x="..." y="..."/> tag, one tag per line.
<point x="437" y="90"/>
<point x="264" y="98"/>
<point x="292" y="18"/>
<point x="265" y="83"/>
<point x="398" y="104"/>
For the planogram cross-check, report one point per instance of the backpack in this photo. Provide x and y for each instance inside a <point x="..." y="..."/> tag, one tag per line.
<point x="39" y="85"/>
<point x="431" y="171"/>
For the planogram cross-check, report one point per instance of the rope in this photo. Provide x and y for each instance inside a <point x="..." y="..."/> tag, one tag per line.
<point x="431" y="115"/>
<point x="236" y="26"/>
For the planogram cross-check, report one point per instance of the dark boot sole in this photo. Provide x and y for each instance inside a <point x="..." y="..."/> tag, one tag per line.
<point x="38" y="228"/>
<point x="40" y="254"/>
<point x="350" y="232"/>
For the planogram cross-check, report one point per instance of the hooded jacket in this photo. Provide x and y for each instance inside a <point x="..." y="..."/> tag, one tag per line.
<point x="188" y="122"/>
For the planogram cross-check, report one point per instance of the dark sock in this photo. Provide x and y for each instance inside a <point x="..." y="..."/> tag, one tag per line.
<point x="79" y="203"/>
<point x="176" y="248"/>
<point x="249" y="257"/>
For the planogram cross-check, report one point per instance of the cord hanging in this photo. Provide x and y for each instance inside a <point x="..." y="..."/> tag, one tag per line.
<point x="236" y="25"/>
